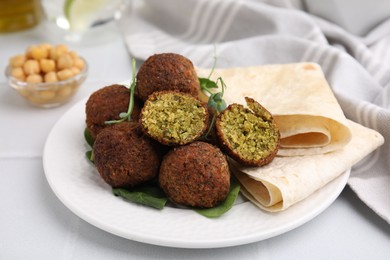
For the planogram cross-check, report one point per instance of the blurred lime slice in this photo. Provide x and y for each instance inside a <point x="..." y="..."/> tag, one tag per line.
<point x="81" y="14"/>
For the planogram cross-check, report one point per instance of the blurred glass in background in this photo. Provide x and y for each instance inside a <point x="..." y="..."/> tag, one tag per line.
<point x="76" y="19"/>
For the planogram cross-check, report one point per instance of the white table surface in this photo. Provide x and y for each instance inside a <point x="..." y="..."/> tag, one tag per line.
<point x="34" y="224"/>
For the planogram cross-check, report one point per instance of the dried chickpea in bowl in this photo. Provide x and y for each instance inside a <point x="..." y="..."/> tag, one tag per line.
<point x="46" y="75"/>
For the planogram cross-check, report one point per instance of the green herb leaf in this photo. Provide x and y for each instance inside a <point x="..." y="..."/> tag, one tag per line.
<point x="151" y="196"/>
<point x="127" y="115"/>
<point x="225" y="206"/>
<point x="123" y="115"/>
<point x="206" y="84"/>
<point x="89" y="155"/>
<point x="88" y="137"/>
<point x="215" y="101"/>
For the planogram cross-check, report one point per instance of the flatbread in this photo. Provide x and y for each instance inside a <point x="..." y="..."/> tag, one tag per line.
<point x="317" y="142"/>
<point x="287" y="180"/>
<point x="308" y="115"/>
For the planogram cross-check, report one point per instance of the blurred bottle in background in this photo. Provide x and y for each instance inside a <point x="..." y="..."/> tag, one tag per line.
<point x="16" y="15"/>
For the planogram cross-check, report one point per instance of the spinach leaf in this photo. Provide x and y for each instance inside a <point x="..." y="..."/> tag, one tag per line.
<point x="88" y="137"/>
<point x="149" y="195"/>
<point x="89" y="155"/>
<point x="225" y="206"/>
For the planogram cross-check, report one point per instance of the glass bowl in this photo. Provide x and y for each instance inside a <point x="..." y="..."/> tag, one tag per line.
<point x="48" y="94"/>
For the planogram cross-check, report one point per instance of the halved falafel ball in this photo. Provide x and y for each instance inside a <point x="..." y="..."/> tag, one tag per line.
<point x="167" y="71"/>
<point x="195" y="175"/>
<point x="174" y="118"/>
<point x="106" y="104"/>
<point x="124" y="156"/>
<point x="248" y="135"/>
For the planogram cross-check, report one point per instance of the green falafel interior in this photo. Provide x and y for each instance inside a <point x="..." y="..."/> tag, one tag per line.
<point x="249" y="135"/>
<point x="173" y="118"/>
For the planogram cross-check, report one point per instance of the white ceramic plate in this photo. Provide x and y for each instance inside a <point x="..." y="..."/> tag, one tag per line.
<point x="78" y="185"/>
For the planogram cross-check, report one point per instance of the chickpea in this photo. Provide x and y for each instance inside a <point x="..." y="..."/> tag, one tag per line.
<point x="75" y="70"/>
<point x="17" y="61"/>
<point x="24" y="92"/>
<point x="35" y="100"/>
<point x="46" y="94"/>
<point x="31" y="67"/>
<point x="64" y="62"/>
<point x="58" y="51"/>
<point x="47" y="65"/>
<point x="79" y="63"/>
<point x="62" y="47"/>
<point x="50" y="77"/>
<point x="46" y="46"/>
<point x="53" y="54"/>
<point x="29" y="52"/>
<point x="73" y="54"/>
<point x="18" y="73"/>
<point x="38" y="53"/>
<point x="64" y="74"/>
<point x="34" y="78"/>
<point x="66" y="91"/>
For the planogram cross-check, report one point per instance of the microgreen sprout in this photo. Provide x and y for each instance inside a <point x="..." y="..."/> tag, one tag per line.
<point x="215" y="100"/>
<point x="127" y="115"/>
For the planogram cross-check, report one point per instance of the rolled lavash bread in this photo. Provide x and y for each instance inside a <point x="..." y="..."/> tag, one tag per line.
<point x="312" y="125"/>
<point x="298" y="96"/>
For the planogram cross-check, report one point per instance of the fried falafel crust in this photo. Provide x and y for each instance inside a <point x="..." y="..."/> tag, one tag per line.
<point x="124" y="156"/>
<point x="174" y="118"/>
<point x="106" y="104"/>
<point x="260" y="138"/>
<point x="167" y="71"/>
<point x="195" y="175"/>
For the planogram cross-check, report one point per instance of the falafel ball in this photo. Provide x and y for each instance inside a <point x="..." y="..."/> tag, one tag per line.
<point x="195" y="175"/>
<point x="249" y="135"/>
<point x="167" y="71"/>
<point x="174" y="118"/>
<point x="124" y="156"/>
<point x="106" y="104"/>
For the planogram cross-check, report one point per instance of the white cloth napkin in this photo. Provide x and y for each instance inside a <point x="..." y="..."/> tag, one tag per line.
<point x="249" y="32"/>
